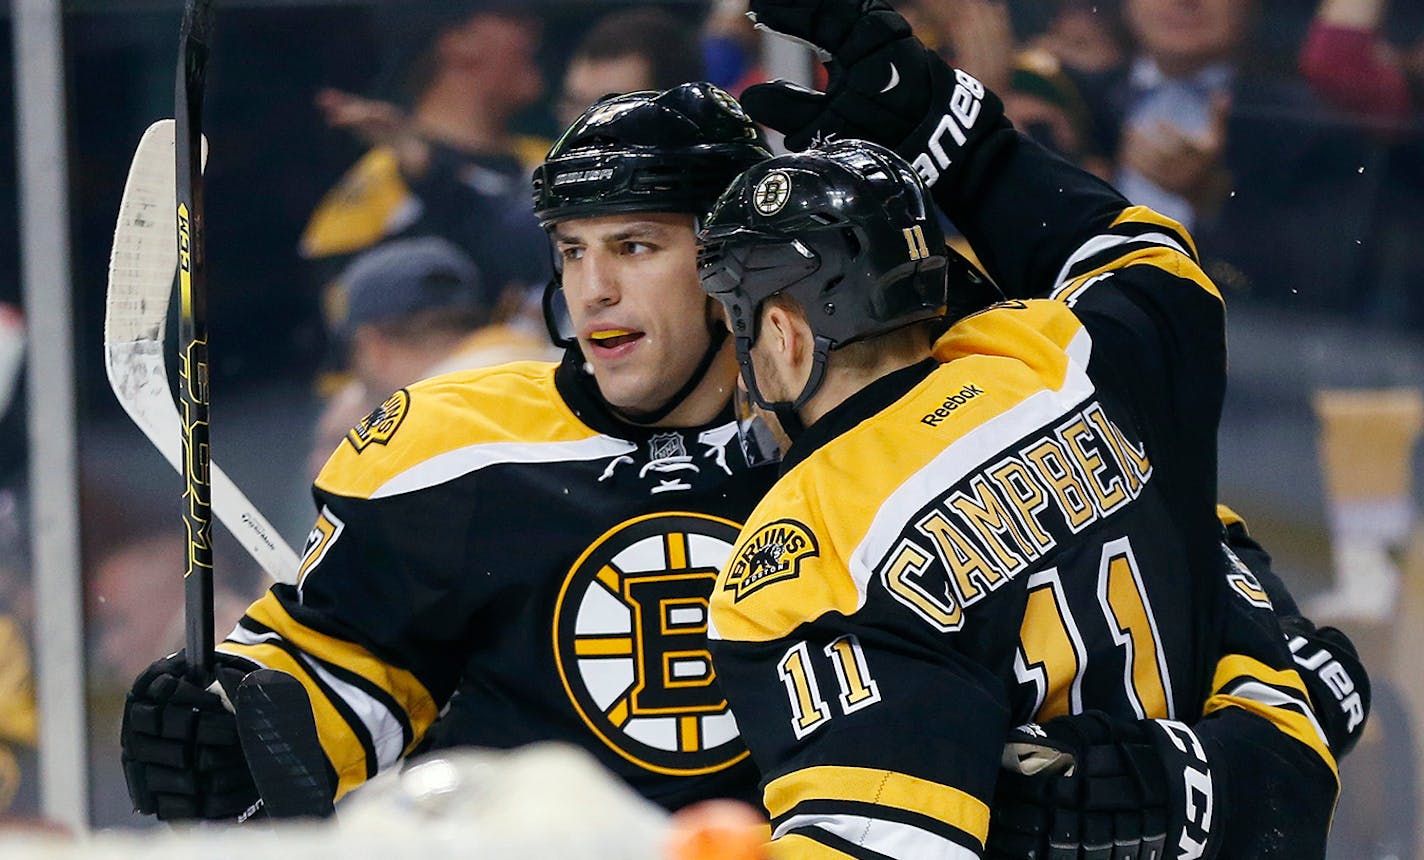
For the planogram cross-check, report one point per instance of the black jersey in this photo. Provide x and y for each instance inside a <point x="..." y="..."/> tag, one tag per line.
<point x="497" y="541"/>
<point x="1021" y="527"/>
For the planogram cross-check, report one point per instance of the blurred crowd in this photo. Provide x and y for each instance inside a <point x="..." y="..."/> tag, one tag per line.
<point x="1288" y="135"/>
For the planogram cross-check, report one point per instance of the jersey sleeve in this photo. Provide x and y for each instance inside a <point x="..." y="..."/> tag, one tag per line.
<point x="1260" y="727"/>
<point x="376" y="627"/>
<point x="1325" y="658"/>
<point x="368" y="633"/>
<point x="867" y="748"/>
<point x="873" y="739"/>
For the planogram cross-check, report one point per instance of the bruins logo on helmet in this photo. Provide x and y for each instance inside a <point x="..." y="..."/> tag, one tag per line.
<point x="773" y="554"/>
<point x="630" y="630"/>
<point x="382" y="423"/>
<point x="726" y="102"/>
<point x="772" y="192"/>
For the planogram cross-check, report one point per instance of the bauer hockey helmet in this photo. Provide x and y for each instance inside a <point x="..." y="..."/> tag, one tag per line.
<point x="670" y="151"/>
<point x="847" y="230"/>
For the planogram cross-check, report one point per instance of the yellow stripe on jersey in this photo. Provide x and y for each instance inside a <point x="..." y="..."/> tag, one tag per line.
<point x="401" y="685"/>
<point x="343" y="749"/>
<point x="1143" y="215"/>
<point x="1229" y="517"/>
<point x="1290" y="722"/>
<point x="1157" y="256"/>
<point x="884" y="456"/>
<point x="883" y="788"/>
<point x="512" y="403"/>
<point x="794" y="846"/>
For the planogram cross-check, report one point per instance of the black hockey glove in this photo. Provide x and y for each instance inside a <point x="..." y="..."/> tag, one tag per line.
<point x="884" y="86"/>
<point x="181" y="755"/>
<point x="1090" y="787"/>
<point x="1336" y="680"/>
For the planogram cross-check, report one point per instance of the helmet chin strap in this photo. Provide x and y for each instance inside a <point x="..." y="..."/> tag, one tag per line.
<point x="717" y="336"/>
<point x="787" y="412"/>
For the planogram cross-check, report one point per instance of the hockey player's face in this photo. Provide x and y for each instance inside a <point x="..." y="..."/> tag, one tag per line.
<point x="636" y="304"/>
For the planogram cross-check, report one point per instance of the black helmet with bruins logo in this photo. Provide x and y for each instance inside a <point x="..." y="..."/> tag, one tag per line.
<point x="847" y="230"/>
<point x="670" y="151"/>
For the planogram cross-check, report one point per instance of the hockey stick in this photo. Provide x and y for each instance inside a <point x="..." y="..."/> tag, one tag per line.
<point x="141" y="268"/>
<point x="274" y="715"/>
<point x="193" y="335"/>
<point x="280" y="742"/>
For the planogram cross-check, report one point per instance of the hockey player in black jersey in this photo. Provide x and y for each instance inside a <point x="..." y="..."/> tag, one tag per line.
<point x="1010" y="521"/>
<point x="531" y="545"/>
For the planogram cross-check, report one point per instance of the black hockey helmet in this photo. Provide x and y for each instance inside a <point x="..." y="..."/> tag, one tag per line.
<point x="847" y="230"/>
<point x="669" y="151"/>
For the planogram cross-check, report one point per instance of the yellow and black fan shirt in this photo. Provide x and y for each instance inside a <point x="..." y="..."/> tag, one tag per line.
<point x="496" y="544"/>
<point x="1020" y="527"/>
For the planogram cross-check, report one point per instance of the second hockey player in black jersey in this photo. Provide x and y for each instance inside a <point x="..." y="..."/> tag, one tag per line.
<point x="1006" y="522"/>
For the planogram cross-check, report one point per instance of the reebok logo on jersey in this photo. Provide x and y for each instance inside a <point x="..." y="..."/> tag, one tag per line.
<point x="773" y="554"/>
<point x="951" y="403"/>
<point x="381" y="424"/>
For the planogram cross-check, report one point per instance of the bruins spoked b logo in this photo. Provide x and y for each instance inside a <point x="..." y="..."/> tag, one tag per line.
<point x="772" y="192"/>
<point x="630" y="632"/>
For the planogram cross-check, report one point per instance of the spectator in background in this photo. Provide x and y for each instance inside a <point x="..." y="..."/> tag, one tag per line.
<point x="136" y="610"/>
<point x="1204" y="132"/>
<point x="1353" y="61"/>
<point x="1087" y="36"/>
<point x="1039" y="96"/>
<point x="409" y="309"/>
<point x="1348" y="62"/>
<point x="450" y="165"/>
<point x="731" y="47"/>
<point x="18" y="717"/>
<point x="626" y="51"/>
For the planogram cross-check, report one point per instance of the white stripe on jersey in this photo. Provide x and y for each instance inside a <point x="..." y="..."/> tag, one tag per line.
<point x="1275" y="697"/>
<point x="1108" y="241"/>
<point x="890" y="838"/>
<point x="384" y="729"/>
<point x="472" y="458"/>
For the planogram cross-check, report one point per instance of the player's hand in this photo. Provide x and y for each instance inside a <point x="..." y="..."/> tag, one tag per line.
<point x="884" y="85"/>
<point x="1090" y="786"/>
<point x="181" y="755"/>
<point x="1336" y="680"/>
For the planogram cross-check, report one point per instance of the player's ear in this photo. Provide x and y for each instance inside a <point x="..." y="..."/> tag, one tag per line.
<point x="780" y="332"/>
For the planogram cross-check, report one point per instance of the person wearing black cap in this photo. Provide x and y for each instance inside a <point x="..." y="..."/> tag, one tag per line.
<point x="408" y="303"/>
<point x="405" y="310"/>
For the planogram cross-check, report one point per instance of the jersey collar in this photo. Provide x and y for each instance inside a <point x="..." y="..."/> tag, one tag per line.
<point x="868" y="401"/>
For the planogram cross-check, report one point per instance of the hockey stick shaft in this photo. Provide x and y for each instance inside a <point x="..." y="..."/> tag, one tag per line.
<point x="193" y="336"/>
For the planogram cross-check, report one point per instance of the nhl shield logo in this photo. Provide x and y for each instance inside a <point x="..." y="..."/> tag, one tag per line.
<point x="773" y="554"/>
<point x="665" y="446"/>
<point x="378" y="427"/>
<point x="772" y="192"/>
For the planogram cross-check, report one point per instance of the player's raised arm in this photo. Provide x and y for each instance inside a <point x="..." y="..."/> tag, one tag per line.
<point x="1023" y="209"/>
